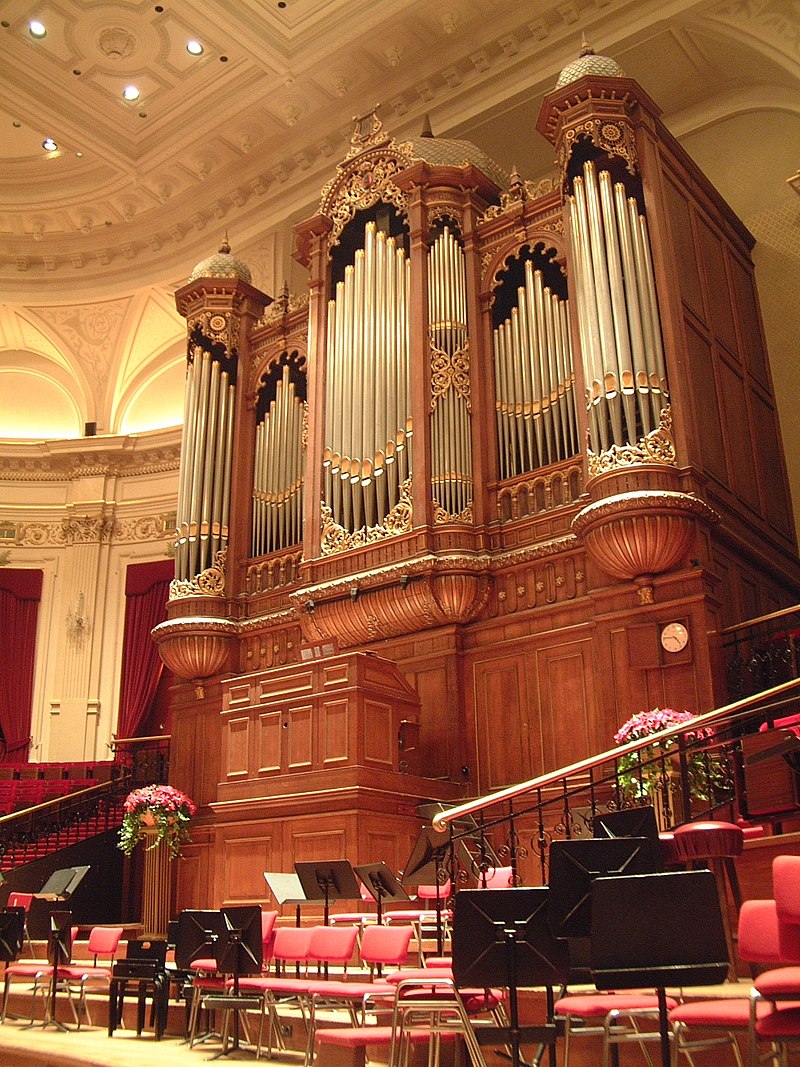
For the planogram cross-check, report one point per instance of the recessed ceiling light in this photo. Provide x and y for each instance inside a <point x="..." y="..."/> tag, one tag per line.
<point x="49" y="145"/>
<point x="37" y="29"/>
<point x="194" y="48"/>
<point x="79" y="155"/>
<point x="130" y="92"/>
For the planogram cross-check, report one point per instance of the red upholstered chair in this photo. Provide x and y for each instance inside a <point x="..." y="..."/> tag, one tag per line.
<point x="614" y="1017"/>
<point x="24" y="901"/>
<point x="37" y="974"/>
<point x="497" y="878"/>
<point x="761" y="940"/>
<point x="102" y="945"/>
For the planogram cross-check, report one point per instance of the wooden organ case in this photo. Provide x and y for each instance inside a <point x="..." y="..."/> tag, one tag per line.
<point x="512" y="433"/>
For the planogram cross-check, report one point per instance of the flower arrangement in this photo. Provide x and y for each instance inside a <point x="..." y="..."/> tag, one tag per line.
<point x="160" y="806"/>
<point x="641" y="774"/>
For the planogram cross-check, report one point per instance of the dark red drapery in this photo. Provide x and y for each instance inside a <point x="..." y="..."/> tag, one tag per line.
<point x="146" y="595"/>
<point x="20" y="593"/>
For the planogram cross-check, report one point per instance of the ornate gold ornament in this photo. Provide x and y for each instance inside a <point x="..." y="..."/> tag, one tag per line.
<point x="441" y="516"/>
<point x="210" y="582"/>
<point x="450" y="372"/>
<point x="612" y="137"/>
<point x="518" y="192"/>
<point x="398" y="521"/>
<point x="656" y="447"/>
<point x="365" y="176"/>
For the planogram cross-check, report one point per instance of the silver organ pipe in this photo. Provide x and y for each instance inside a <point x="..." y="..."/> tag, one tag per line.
<point x="534" y="380"/>
<point x="279" y="472"/>
<point x="618" y="319"/>
<point x="203" y="490"/>
<point x="451" y="426"/>
<point x="368" y="427"/>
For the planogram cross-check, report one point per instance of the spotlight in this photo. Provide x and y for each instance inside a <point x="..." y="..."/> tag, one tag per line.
<point x="37" y="29"/>
<point x="194" y="48"/>
<point x="404" y="580"/>
<point x="310" y="607"/>
<point x="354" y="593"/>
<point x="49" y="145"/>
<point x="130" y="93"/>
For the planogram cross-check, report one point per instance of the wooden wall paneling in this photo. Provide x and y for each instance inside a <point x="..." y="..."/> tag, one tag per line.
<point x="441" y="751"/>
<point x="193" y="874"/>
<point x="711" y="449"/>
<point x="737" y="429"/>
<point x="196" y="746"/>
<point x="318" y="838"/>
<point x="335" y="743"/>
<point x="247" y="851"/>
<point x="566" y="710"/>
<point x="269" y="741"/>
<point x="378" y="740"/>
<point x="503" y="716"/>
<point x="771" y="473"/>
<point x="298" y="725"/>
<point x="236" y="743"/>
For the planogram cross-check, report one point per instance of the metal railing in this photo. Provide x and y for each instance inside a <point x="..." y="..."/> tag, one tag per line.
<point x="689" y="771"/>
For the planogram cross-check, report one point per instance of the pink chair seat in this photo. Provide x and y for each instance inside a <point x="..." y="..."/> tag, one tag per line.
<point x="356" y="1036"/>
<point x="726" y="1012"/>
<point x="781" y="982"/>
<point x="597" y="1006"/>
<point x="783" y="1023"/>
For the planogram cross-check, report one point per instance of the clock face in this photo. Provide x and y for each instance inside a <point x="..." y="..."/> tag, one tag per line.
<point x="674" y="637"/>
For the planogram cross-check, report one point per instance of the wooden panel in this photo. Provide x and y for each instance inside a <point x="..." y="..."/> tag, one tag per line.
<point x="502" y="718"/>
<point x="236" y="747"/>
<point x="681" y="224"/>
<point x="269" y="738"/>
<point x="711" y="452"/>
<point x="300" y="747"/>
<point x="237" y="696"/>
<point x="285" y="683"/>
<point x="333" y="731"/>
<point x="722" y="317"/>
<point x="771" y="473"/>
<point x="737" y="427"/>
<point x="566" y="704"/>
<point x="337" y="673"/>
<point x="244" y="860"/>
<point x="749" y="322"/>
<point x="379" y="734"/>
<point x="317" y="842"/>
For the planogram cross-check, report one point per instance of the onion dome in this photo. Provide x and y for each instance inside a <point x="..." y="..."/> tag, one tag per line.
<point x="440" y="152"/>
<point x="589" y="63"/>
<point x="222" y="265"/>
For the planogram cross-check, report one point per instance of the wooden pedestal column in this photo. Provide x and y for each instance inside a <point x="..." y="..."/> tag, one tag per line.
<point x="155" y="891"/>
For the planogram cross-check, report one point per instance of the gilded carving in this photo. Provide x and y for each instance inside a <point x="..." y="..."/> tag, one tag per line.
<point x="87" y="529"/>
<point x="210" y="582"/>
<point x="365" y="176"/>
<point x="336" y="539"/>
<point x="612" y="137"/>
<point x="518" y="192"/>
<point x="441" y="516"/>
<point x="450" y="371"/>
<point x="656" y="447"/>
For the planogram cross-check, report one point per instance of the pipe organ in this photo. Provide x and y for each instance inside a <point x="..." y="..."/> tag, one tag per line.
<point x="368" y="425"/>
<point x="516" y="576"/>
<point x="206" y="450"/>
<point x="279" y="460"/>
<point x="451" y="427"/>
<point x="620" y="331"/>
<point x="534" y="380"/>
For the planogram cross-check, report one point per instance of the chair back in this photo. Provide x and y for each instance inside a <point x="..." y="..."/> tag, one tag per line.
<point x="332" y="944"/>
<point x="104" y="942"/>
<point x="760" y="938"/>
<point x="291" y="944"/>
<point x="268" y="919"/>
<point x="786" y="887"/>
<point x="497" y="878"/>
<point x="20" y="900"/>
<point x="385" y="945"/>
<point x="431" y="892"/>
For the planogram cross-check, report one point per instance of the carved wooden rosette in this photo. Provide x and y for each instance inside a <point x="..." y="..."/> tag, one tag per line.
<point x="380" y="604"/>
<point x="194" y="647"/>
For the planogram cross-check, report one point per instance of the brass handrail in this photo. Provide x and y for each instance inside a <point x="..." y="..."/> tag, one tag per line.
<point x="710" y="718"/>
<point x="772" y="617"/>
<point x="130" y="740"/>
<point x="54" y="802"/>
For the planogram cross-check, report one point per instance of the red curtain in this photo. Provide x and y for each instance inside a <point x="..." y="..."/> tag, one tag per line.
<point x="146" y="595"/>
<point x="20" y="593"/>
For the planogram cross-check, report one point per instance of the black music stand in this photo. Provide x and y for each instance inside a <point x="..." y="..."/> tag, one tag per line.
<point x="286" y="889"/>
<point x="327" y="881"/>
<point x="575" y="864"/>
<point x="502" y="937"/>
<point x="655" y="930"/>
<point x="239" y="952"/>
<point x="382" y="884"/>
<point x="12" y="934"/>
<point x="59" y="953"/>
<point x="196" y="938"/>
<point x="427" y="865"/>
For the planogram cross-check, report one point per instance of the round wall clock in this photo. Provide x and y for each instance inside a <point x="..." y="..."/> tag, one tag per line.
<point x="674" y="637"/>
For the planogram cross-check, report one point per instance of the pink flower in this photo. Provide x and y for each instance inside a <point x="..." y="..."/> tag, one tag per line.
<point x="168" y="799"/>
<point x="645" y="723"/>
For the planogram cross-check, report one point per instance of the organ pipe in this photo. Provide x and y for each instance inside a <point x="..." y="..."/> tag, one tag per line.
<point x="534" y="380"/>
<point x="206" y="449"/>
<point x="368" y="427"/>
<point x="279" y="470"/>
<point x="620" y="332"/>
<point x="451" y="428"/>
